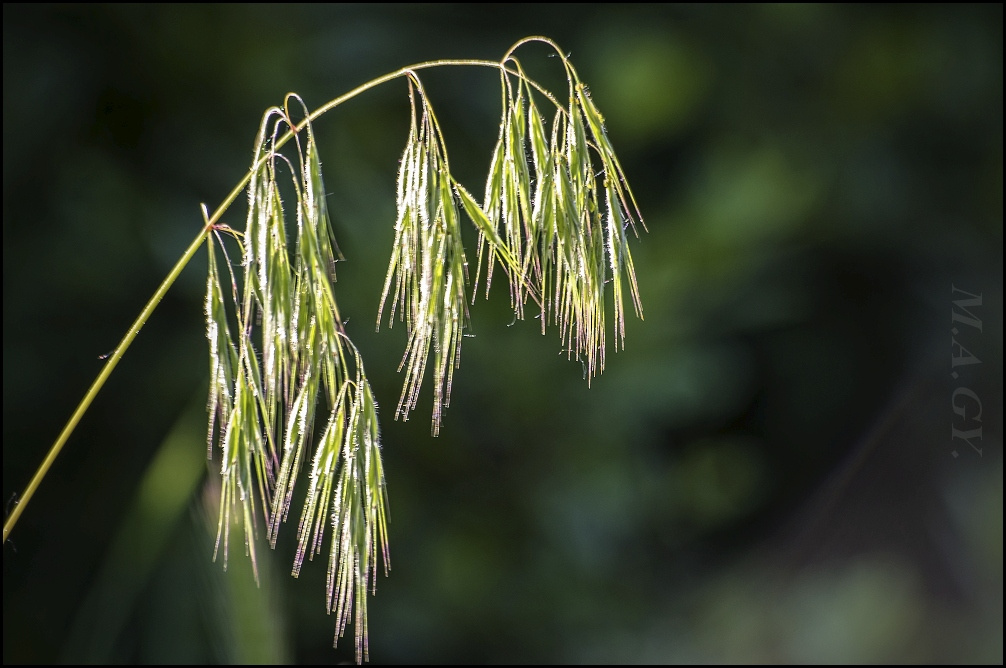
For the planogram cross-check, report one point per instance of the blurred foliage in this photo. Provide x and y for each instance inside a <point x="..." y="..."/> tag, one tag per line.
<point x="765" y="474"/>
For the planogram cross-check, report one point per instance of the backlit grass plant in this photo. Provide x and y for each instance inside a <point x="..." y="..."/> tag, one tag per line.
<point x="553" y="219"/>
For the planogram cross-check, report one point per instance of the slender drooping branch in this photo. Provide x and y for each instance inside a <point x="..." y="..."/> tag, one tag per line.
<point x="99" y="382"/>
<point x="279" y="348"/>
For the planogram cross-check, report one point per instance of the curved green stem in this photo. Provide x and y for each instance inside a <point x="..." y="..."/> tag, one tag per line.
<point x="99" y="382"/>
<point x="190" y="252"/>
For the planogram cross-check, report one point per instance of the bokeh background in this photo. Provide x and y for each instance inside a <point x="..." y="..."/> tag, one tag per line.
<point x="766" y="473"/>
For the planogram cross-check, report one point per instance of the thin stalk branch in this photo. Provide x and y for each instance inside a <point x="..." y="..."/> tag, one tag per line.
<point x="99" y="382"/>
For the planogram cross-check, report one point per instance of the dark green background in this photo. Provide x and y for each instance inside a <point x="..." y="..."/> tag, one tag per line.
<point x="765" y="474"/>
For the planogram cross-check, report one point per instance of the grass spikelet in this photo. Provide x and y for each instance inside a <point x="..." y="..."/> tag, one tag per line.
<point x="291" y="352"/>
<point x="428" y="266"/>
<point x="552" y="226"/>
